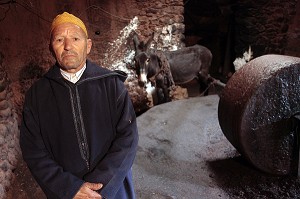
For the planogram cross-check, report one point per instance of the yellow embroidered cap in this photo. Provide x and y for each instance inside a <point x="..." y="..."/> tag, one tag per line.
<point x="67" y="18"/>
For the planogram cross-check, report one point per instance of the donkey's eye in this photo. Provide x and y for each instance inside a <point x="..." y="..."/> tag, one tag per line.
<point x="147" y="60"/>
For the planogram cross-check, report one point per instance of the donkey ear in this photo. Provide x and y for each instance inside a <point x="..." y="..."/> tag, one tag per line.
<point x="136" y="43"/>
<point x="149" y="41"/>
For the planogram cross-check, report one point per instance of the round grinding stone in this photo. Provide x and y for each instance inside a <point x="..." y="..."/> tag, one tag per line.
<point x="256" y="110"/>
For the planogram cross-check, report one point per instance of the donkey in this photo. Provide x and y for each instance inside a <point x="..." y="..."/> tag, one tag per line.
<point x="164" y="68"/>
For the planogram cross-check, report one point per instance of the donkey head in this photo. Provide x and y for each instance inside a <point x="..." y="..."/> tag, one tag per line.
<point x="146" y="62"/>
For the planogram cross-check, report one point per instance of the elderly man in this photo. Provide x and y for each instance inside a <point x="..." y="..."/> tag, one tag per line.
<point x="78" y="134"/>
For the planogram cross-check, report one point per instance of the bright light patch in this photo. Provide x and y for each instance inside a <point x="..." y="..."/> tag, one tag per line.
<point x="117" y="57"/>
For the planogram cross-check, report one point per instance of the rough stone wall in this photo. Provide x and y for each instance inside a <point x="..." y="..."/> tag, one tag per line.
<point x="9" y="133"/>
<point x="165" y="19"/>
<point x="116" y="20"/>
<point x="264" y="26"/>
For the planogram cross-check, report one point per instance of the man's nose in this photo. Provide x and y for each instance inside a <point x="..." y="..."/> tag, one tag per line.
<point x="67" y="44"/>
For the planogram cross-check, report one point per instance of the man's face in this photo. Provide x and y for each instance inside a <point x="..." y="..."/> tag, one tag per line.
<point x="70" y="46"/>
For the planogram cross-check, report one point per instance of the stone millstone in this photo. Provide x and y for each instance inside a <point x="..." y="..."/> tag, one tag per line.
<point x="256" y="110"/>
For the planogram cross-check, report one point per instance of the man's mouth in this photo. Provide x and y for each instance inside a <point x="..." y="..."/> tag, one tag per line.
<point x="68" y="55"/>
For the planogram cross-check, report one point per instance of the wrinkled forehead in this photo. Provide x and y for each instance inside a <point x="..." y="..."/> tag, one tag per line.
<point x="67" y="28"/>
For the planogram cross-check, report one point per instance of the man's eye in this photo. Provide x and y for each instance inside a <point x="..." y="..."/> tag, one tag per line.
<point x="59" y="40"/>
<point x="76" y="39"/>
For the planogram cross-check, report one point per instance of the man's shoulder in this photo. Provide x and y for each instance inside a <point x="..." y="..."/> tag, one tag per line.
<point x="94" y="68"/>
<point x="95" y="71"/>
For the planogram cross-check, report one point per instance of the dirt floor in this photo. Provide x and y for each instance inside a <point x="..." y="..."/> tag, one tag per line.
<point x="183" y="154"/>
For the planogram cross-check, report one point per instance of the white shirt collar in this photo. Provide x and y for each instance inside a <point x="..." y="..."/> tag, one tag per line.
<point x="73" y="77"/>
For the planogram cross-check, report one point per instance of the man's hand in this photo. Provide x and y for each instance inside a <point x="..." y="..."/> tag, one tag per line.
<point x="88" y="190"/>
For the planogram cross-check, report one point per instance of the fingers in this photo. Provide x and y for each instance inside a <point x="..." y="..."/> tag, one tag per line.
<point x="88" y="190"/>
<point x="94" y="186"/>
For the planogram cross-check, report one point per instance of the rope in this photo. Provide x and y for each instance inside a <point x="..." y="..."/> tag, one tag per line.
<point x="165" y="67"/>
<point x="115" y="16"/>
<point x="5" y="13"/>
<point x="35" y="12"/>
<point x="27" y="7"/>
<point x="213" y="82"/>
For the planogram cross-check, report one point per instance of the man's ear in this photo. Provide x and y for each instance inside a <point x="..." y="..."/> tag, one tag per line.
<point x="89" y="45"/>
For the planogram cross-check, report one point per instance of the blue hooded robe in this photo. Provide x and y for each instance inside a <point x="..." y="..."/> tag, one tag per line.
<point x="82" y="132"/>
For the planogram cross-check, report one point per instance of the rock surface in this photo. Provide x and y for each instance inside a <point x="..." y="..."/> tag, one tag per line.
<point x="178" y="143"/>
<point x="184" y="154"/>
<point x="9" y="145"/>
